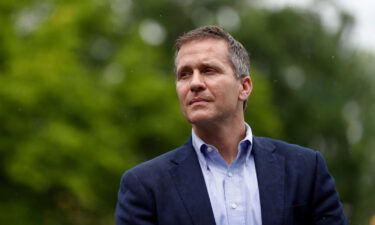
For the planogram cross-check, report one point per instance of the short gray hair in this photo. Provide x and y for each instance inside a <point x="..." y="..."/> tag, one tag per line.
<point x="238" y="55"/>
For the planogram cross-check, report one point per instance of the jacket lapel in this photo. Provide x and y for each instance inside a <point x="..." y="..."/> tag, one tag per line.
<point x="188" y="178"/>
<point x="270" y="173"/>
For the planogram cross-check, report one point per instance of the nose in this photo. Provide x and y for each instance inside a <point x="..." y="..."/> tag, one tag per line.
<point x="197" y="82"/>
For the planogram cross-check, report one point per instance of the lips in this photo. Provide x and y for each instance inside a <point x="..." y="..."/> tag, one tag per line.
<point x="195" y="100"/>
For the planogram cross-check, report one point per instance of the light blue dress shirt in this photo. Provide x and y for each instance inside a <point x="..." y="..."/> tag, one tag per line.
<point x="233" y="189"/>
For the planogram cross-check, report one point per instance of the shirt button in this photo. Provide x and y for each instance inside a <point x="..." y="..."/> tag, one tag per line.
<point x="234" y="206"/>
<point x="230" y="174"/>
<point x="209" y="149"/>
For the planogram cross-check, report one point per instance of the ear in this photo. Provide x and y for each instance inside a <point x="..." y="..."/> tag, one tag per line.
<point x="246" y="88"/>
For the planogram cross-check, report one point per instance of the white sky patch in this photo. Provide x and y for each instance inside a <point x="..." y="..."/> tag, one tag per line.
<point x="364" y="30"/>
<point x="279" y="4"/>
<point x="363" y="11"/>
<point x="329" y="14"/>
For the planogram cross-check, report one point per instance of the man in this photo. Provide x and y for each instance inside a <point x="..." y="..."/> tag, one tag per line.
<point x="223" y="174"/>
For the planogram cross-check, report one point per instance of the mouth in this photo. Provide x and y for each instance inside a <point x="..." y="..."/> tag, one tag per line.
<point x="198" y="101"/>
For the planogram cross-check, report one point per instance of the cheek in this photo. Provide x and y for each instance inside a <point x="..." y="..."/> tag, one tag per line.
<point x="226" y="91"/>
<point x="228" y="94"/>
<point x="181" y="92"/>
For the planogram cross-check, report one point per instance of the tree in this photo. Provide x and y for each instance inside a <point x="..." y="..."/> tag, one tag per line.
<point x="87" y="91"/>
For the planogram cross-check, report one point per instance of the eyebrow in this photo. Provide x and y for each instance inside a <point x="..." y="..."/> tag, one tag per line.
<point x="181" y="69"/>
<point x="210" y="64"/>
<point x="217" y="64"/>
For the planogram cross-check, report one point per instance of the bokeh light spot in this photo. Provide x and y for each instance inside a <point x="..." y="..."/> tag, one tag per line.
<point x="152" y="32"/>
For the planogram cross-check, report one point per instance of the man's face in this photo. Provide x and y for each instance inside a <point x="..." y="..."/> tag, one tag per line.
<point x="206" y="86"/>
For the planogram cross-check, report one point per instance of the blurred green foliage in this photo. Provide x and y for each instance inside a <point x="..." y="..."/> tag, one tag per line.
<point x="87" y="91"/>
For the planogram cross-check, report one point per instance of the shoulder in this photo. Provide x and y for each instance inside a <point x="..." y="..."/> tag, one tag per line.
<point x="296" y="157"/>
<point x="284" y="148"/>
<point x="300" y="164"/>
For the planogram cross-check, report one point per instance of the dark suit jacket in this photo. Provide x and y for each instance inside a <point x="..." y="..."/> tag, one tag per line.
<point x="295" y="187"/>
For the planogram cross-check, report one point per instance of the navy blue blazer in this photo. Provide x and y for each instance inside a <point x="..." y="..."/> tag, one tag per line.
<point x="295" y="188"/>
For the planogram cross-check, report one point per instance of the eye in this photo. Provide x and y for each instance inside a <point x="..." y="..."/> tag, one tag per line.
<point x="209" y="70"/>
<point x="183" y="74"/>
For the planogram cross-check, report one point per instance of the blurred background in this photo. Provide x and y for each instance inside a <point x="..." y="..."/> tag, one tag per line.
<point x="87" y="92"/>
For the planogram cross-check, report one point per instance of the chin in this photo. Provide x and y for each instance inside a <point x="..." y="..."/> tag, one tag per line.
<point x="199" y="118"/>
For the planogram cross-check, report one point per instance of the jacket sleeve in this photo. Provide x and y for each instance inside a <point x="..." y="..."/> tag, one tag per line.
<point x="326" y="203"/>
<point x="135" y="205"/>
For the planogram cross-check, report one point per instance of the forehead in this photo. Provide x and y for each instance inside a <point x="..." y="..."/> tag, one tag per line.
<point x="205" y="49"/>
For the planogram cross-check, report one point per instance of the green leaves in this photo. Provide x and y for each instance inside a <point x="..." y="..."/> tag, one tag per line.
<point x="87" y="91"/>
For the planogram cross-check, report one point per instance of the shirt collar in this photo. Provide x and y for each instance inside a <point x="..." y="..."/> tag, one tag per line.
<point x="200" y="146"/>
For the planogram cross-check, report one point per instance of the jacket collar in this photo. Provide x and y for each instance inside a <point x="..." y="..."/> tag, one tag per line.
<point x="270" y="168"/>
<point x="188" y="179"/>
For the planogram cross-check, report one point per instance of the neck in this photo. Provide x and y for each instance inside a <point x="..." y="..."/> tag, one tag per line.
<point x="224" y="136"/>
